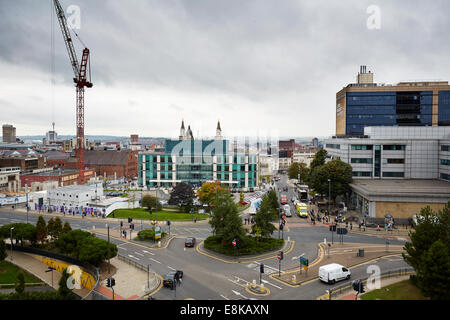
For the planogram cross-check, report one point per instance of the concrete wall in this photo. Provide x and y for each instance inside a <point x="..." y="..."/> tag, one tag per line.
<point x="404" y="209"/>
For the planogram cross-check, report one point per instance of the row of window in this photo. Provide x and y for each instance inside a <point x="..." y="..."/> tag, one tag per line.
<point x="445" y="176"/>
<point x="361" y="160"/>
<point x="199" y="159"/>
<point x="445" y="148"/>
<point x="445" y="162"/>
<point x="385" y="174"/>
<point x="370" y="147"/>
<point x="333" y="146"/>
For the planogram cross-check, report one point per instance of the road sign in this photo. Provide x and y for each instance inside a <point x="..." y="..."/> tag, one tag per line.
<point x="304" y="261"/>
<point x="157" y="233"/>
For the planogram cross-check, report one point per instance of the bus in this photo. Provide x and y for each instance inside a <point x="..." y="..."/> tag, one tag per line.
<point x="283" y="199"/>
<point x="302" y="209"/>
<point x="303" y="195"/>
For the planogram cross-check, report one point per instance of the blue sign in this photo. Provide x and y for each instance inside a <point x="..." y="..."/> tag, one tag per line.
<point x="304" y="261"/>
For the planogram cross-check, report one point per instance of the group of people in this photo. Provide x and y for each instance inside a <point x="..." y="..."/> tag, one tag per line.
<point x="70" y="211"/>
<point x="249" y="220"/>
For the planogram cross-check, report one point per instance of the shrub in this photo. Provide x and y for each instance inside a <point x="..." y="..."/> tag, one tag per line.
<point x="247" y="246"/>
<point x="149" y="235"/>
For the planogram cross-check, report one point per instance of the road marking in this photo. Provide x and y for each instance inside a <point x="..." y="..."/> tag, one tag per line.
<point x="145" y="251"/>
<point x="265" y="281"/>
<point x="171" y="268"/>
<point x="133" y="257"/>
<point x="139" y="254"/>
<point x="235" y="282"/>
<point x="155" y="260"/>
<point x="224" y="297"/>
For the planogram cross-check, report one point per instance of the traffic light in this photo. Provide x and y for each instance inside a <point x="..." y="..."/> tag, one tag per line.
<point x="261" y="268"/>
<point x="113" y="282"/>
<point x="281" y="226"/>
<point x="361" y="287"/>
<point x="129" y="220"/>
<point x="121" y="223"/>
<point x="132" y="226"/>
<point x="168" y="222"/>
<point x="108" y="282"/>
<point x="281" y="255"/>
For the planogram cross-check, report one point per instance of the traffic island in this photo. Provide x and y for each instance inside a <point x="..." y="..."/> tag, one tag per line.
<point x="257" y="289"/>
<point x="348" y="255"/>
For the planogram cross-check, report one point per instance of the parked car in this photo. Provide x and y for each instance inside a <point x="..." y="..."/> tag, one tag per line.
<point x="171" y="277"/>
<point x="189" y="242"/>
<point x="333" y="272"/>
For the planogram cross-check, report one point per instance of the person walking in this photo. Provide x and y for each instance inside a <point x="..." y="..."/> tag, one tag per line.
<point x="351" y="226"/>
<point x="378" y="227"/>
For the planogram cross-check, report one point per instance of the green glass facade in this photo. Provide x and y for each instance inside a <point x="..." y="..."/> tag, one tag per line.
<point x="195" y="162"/>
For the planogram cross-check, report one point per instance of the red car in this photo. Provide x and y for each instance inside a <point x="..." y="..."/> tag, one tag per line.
<point x="190" y="242"/>
<point x="283" y="199"/>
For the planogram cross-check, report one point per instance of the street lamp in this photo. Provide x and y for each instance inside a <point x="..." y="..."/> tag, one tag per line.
<point x="329" y="195"/>
<point x="26" y="191"/>
<point x="12" y="228"/>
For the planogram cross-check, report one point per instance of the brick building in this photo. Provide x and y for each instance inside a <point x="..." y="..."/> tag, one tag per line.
<point x="64" y="177"/>
<point x="109" y="163"/>
<point x="24" y="159"/>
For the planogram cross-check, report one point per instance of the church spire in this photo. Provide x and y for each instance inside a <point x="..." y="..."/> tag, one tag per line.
<point x="218" y="132"/>
<point x="182" y="131"/>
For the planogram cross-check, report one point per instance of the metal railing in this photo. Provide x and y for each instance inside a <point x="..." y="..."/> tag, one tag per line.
<point x="388" y="274"/>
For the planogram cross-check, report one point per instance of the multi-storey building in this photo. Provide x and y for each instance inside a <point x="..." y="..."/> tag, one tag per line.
<point x="365" y="103"/>
<point x="9" y="133"/>
<point x="197" y="161"/>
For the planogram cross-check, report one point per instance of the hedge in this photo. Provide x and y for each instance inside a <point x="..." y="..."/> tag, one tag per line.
<point x="246" y="246"/>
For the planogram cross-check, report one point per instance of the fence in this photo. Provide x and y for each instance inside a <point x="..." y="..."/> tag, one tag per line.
<point x="388" y="274"/>
<point x="86" y="266"/>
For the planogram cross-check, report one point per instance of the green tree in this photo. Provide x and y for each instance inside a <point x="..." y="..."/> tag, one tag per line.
<point x="182" y="196"/>
<point x="151" y="202"/>
<point x="273" y="200"/>
<point x="20" y="286"/>
<point x="57" y="227"/>
<point x="241" y="196"/>
<point x="41" y="230"/>
<point x="428" y="252"/>
<point x="226" y="222"/>
<point x="21" y="232"/>
<point x="263" y="218"/>
<point x="63" y="291"/>
<point x="340" y="174"/>
<point x="297" y="168"/>
<point x="3" y="253"/>
<point x="66" y="228"/>
<point x="434" y="274"/>
<point x="319" y="159"/>
<point x="51" y="228"/>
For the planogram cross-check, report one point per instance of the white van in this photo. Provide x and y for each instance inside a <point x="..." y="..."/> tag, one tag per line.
<point x="331" y="273"/>
<point x="287" y="210"/>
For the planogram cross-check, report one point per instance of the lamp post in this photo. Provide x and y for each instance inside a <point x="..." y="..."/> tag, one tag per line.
<point x="26" y="191"/>
<point x="109" y="262"/>
<point x="12" y="228"/>
<point x="329" y="195"/>
<point x="141" y="212"/>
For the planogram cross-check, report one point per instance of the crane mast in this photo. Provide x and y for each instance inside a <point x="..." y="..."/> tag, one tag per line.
<point x="80" y="79"/>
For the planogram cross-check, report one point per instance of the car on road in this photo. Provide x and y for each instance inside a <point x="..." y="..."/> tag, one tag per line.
<point x="189" y="242"/>
<point x="302" y="209"/>
<point x="333" y="272"/>
<point x="172" y="277"/>
<point x="283" y="199"/>
<point x="287" y="210"/>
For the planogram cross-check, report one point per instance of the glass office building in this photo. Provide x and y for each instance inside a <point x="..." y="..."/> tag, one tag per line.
<point x="197" y="161"/>
<point x="367" y="104"/>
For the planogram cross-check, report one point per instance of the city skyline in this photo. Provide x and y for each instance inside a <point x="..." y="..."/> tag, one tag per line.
<point x="259" y="68"/>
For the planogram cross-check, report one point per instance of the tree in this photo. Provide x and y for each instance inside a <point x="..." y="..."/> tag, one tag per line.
<point x="340" y="174"/>
<point x="51" y="228"/>
<point x="241" y="196"/>
<point x="273" y="200"/>
<point x="151" y="202"/>
<point x="182" y="196"/>
<point x="297" y="168"/>
<point x="319" y="159"/>
<point x="3" y="253"/>
<point x="57" y="227"/>
<point x="428" y="252"/>
<point x="66" y="228"/>
<point x="63" y="291"/>
<point x="226" y="222"/>
<point x="207" y="192"/>
<point x="434" y="274"/>
<point x="22" y="231"/>
<point x="263" y="218"/>
<point x="20" y="286"/>
<point x="41" y="230"/>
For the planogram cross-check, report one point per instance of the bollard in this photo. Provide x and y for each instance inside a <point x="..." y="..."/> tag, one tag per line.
<point x="254" y="284"/>
<point x="261" y="288"/>
<point x="294" y="278"/>
<point x="159" y="244"/>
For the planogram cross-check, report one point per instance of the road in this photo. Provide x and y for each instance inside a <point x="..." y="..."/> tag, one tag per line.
<point x="206" y="278"/>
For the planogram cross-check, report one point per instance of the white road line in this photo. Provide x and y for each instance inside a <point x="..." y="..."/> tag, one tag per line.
<point x="240" y="279"/>
<point x="139" y="254"/>
<point x="171" y="268"/>
<point x="265" y="281"/>
<point x="235" y="282"/>
<point x="145" y="251"/>
<point x="155" y="260"/>
<point x="133" y="257"/>
<point x="224" y="297"/>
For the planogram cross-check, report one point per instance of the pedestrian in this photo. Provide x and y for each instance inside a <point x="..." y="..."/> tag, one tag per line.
<point x="359" y="226"/>
<point x="378" y="227"/>
<point x="346" y="223"/>
<point x="351" y="226"/>
<point x="195" y="220"/>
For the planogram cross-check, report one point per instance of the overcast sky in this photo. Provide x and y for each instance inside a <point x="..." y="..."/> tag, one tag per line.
<point x="262" y="67"/>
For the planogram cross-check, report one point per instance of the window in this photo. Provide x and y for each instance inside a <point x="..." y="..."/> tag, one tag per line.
<point x="362" y="173"/>
<point x="333" y="146"/>
<point x="445" y="162"/>
<point x="394" y="147"/>
<point x="394" y="174"/>
<point x="361" y="160"/>
<point x="395" y="161"/>
<point x="361" y="147"/>
<point x="445" y="148"/>
<point x="445" y="176"/>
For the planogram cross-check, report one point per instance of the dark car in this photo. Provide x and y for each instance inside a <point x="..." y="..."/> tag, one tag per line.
<point x="190" y="242"/>
<point x="171" y="277"/>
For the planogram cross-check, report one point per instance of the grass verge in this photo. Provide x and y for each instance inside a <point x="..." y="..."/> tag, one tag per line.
<point x="404" y="290"/>
<point x="8" y="274"/>
<point x="159" y="216"/>
<point x="247" y="246"/>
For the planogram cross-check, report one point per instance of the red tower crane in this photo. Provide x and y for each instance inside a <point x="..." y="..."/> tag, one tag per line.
<point x="80" y="70"/>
